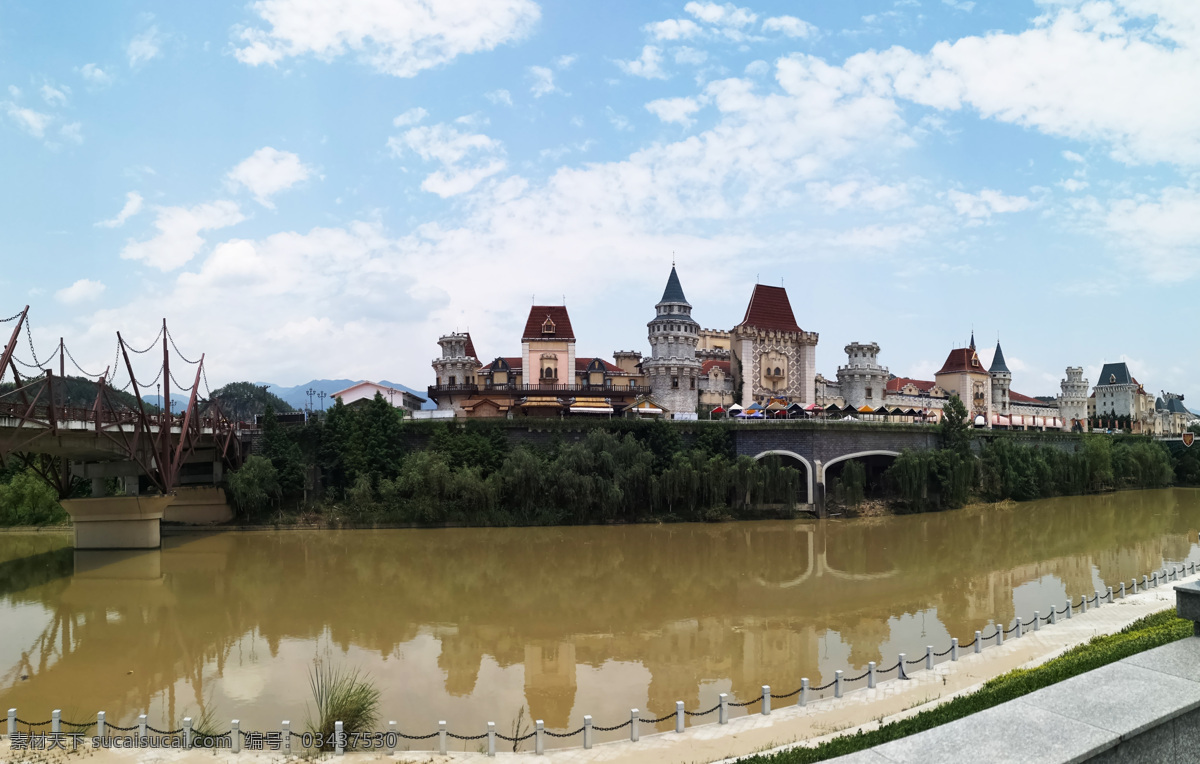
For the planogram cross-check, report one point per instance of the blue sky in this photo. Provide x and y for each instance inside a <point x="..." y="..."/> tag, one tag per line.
<point x="320" y="189"/>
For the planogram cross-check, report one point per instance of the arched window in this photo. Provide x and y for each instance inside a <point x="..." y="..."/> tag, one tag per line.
<point x="778" y="372"/>
<point x="451" y="380"/>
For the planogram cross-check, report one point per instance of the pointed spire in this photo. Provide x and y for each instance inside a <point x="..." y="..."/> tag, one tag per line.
<point x="674" y="290"/>
<point x="972" y="339"/>
<point x="998" y="364"/>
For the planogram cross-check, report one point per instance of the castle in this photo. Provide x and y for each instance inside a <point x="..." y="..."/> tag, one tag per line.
<point x="766" y="359"/>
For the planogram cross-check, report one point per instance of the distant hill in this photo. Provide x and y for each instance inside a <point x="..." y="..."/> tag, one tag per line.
<point x="298" y="395"/>
<point x="244" y="400"/>
<point x="81" y="393"/>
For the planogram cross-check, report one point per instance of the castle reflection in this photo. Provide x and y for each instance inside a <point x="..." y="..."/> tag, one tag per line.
<point x="471" y="624"/>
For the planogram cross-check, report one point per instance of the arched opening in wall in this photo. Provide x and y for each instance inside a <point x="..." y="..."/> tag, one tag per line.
<point x="854" y="482"/>
<point x="801" y="482"/>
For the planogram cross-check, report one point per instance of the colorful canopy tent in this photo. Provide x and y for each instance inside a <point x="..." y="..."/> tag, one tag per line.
<point x="756" y="406"/>
<point x="735" y="408"/>
<point x="718" y="410"/>
<point x="591" y="406"/>
<point x="644" y="406"/>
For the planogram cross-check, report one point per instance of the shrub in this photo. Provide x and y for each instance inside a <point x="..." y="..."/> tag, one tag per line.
<point x="341" y="696"/>
<point x="255" y="487"/>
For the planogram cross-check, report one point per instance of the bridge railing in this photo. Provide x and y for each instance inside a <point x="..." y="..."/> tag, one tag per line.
<point x="105" y="415"/>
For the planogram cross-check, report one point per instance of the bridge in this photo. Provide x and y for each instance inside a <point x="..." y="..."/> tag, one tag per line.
<point x="167" y="463"/>
<point x="819" y="449"/>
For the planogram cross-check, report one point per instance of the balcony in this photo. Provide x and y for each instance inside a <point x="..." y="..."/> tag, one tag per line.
<point x="514" y="390"/>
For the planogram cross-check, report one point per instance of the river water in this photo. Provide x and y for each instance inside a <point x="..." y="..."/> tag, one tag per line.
<point x="471" y="625"/>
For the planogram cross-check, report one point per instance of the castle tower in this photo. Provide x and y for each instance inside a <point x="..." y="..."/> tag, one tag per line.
<point x="672" y="369"/>
<point x="458" y="365"/>
<point x="1001" y="381"/>
<point x="1073" y="402"/>
<point x="862" y="380"/>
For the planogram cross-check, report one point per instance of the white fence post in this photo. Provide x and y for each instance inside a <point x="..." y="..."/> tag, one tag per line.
<point x="338" y="735"/>
<point x="723" y="708"/>
<point x="978" y="642"/>
<point x="766" y="701"/>
<point x="1110" y="593"/>
<point x="1096" y="593"/>
<point x="12" y="722"/>
<point x="235" y="736"/>
<point x="491" y="733"/>
<point x="442" y="737"/>
<point x="803" y="692"/>
<point x="56" y="721"/>
<point x="679" y="716"/>
<point x="900" y="671"/>
<point x="1069" y="608"/>
<point x="928" y="657"/>
<point x="587" y="731"/>
<point x="633" y="725"/>
<point x="391" y="738"/>
<point x="1083" y="603"/>
<point x="837" y="683"/>
<point x="539" y="740"/>
<point x="871" y="675"/>
<point x="285" y="724"/>
<point x="1018" y="627"/>
<point x="141" y="729"/>
<point x="100" y="723"/>
<point x="187" y="734"/>
<point x="1122" y="590"/>
<point x="954" y="648"/>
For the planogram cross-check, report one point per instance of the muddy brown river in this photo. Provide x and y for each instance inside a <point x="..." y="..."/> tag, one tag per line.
<point x="472" y="625"/>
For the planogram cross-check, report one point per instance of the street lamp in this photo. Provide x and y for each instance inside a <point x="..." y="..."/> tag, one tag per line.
<point x="310" y="393"/>
<point x="321" y="396"/>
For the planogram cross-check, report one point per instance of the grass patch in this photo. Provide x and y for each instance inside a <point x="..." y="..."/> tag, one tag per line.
<point x="1143" y="634"/>
<point x="341" y="696"/>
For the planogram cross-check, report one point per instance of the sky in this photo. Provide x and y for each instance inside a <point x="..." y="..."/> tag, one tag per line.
<point x="321" y="188"/>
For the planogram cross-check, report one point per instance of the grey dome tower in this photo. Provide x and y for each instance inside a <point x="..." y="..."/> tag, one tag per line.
<point x="672" y="367"/>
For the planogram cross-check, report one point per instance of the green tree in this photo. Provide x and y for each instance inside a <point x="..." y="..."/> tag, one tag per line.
<point x="284" y="454"/>
<point x="255" y="487"/>
<point x="378" y="436"/>
<point x="954" y="429"/>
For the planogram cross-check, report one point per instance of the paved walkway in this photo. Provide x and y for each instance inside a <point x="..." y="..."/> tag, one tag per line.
<point x="784" y="727"/>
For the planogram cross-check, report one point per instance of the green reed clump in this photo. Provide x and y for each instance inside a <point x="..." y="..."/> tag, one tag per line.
<point x="344" y="696"/>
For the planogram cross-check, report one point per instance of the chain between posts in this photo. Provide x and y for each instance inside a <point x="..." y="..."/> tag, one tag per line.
<point x="521" y="739"/>
<point x="416" y="737"/>
<point x="660" y="719"/>
<point x="709" y="711"/>
<point x="743" y="705"/>
<point x="177" y="351"/>
<point x="76" y="363"/>
<point x="944" y="652"/>
<point x="785" y="697"/>
<point x="471" y="737"/>
<point x="153" y="342"/>
<point x="566" y="734"/>
<point x="164" y="732"/>
<point x="625" y="723"/>
<point x="860" y="677"/>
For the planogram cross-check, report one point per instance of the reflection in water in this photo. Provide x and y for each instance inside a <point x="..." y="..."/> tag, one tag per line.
<point x="470" y="624"/>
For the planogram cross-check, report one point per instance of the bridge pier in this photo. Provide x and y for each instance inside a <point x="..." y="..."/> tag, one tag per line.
<point x="117" y="522"/>
<point x="818" y="497"/>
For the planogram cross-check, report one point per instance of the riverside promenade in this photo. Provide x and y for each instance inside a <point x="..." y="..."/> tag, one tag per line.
<point x="784" y="727"/>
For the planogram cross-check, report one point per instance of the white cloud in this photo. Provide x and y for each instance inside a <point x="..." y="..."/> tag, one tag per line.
<point x="728" y="15"/>
<point x="73" y="132"/>
<point x="1159" y="237"/>
<point x="1072" y="184"/>
<point x="467" y="159"/>
<point x="543" y="81"/>
<point x="619" y="121"/>
<point x="686" y="55"/>
<point x="146" y="46"/>
<point x="32" y="122"/>
<point x="648" y="65"/>
<point x="500" y="96"/>
<point x="961" y="5"/>
<point x="790" y="26"/>
<point x="178" y="239"/>
<point x="673" y="29"/>
<point x="55" y="96"/>
<point x="133" y="205"/>
<point x="268" y="171"/>
<point x="95" y="76"/>
<point x="1071" y="156"/>
<point x="1123" y="76"/>
<point x="757" y="68"/>
<point x="678" y="110"/>
<point x="564" y="62"/>
<point x="986" y="202"/>
<point x="83" y="290"/>
<point x="411" y="117"/>
<point x="853" y="193"/>
<point x="396" y="37"/>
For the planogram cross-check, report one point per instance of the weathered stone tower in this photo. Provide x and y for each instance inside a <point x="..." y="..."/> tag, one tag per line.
<point x="1001" y="382"/>
<point x="862" y="381"/>
<point x="672" y="368"/>
<point x="457" y="366"/>
<point x="1073" y="402"/>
